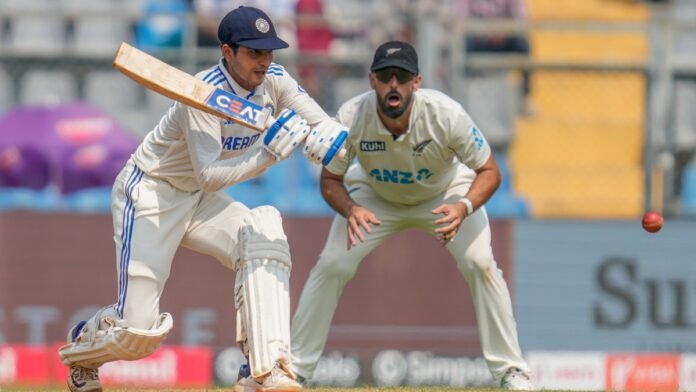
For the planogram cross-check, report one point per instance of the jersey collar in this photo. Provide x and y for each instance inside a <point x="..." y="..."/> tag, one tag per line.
<point x="235" y="88"/>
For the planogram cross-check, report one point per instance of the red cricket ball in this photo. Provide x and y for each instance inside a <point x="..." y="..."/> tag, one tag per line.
<point x="652" y="221"/>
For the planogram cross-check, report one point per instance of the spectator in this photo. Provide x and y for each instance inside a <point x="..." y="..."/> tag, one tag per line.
<point x="494" y="9"/>
<point x="210" y="12"/>
<point x="163" y="24"/>
<point x="314" y="38"/>
<point x="496" y="42"/>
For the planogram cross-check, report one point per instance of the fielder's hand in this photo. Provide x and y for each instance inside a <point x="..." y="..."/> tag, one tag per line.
<point x="452" y="217"/>
<point x="285" y="134"/>
<point x="359" y="218"/>
<point x="325" y="141"/>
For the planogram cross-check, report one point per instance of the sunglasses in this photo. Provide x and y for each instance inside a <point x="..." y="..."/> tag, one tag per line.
<point x="384" y="75"/>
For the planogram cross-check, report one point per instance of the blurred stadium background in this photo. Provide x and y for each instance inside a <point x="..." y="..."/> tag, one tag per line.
<point x="592" y="115"/>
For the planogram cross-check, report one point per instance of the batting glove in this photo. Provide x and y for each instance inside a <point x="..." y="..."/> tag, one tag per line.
<point x="285" y="134"/>
<point x="325" y="141"/>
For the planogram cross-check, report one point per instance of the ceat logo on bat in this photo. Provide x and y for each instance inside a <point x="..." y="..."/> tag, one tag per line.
<point x="235" y="106"/>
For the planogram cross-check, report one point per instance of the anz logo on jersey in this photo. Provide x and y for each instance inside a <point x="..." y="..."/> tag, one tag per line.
<point x="234" y="143"/>
<point x="400" y="177"/>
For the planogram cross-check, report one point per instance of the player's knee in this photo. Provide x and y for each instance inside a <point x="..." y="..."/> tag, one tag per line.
<point x="475" y="262"/>
<point x="262" y="237"/>
<point x="332" y="267"/>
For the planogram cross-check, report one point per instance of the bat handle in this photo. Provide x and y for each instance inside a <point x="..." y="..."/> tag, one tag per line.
<point x="270" y="120"/>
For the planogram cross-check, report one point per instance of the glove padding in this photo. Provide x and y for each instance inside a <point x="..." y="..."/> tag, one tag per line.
<point x="325" y="141"/>
<point x="285" y="134"/>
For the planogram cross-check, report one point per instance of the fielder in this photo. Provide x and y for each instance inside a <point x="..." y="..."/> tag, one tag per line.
<point x="170" y="194"/>
<point x="415" y="151"/>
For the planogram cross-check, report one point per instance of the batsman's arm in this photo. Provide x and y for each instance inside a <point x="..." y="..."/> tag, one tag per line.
<point x="178" y="85"/>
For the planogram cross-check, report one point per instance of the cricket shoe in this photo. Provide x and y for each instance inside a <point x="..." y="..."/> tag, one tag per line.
<point x="278" y="380"/>
<point x="516" y="380"/>
<point x="83" y="379"/>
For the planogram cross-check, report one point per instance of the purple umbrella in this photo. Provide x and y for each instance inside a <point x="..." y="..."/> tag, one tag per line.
<point x="73" y="146"/>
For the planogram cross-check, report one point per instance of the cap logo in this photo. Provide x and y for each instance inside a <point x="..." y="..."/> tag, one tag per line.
<point x="262" y="25"/>
<point x="391" y="51"/>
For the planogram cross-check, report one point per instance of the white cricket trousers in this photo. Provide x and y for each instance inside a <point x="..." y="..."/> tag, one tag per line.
<point x="471" y="249"/>
<point x="151" y="220"/>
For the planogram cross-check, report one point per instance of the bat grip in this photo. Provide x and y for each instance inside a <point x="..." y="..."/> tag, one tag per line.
<point x="270" y="120"/>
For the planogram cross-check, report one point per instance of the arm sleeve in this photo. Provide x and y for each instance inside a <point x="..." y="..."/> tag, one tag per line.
<point x="339" y="165"/>
<point x="290" y="95"/>
<point x="204" y="147"/>
<point x="468" y="142"/>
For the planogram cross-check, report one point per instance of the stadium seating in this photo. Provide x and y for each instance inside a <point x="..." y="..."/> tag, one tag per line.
<point x="47" y="87"/>
<point x="346" y="87"/>
<point x="111" y="92"/>
<point x="89" y="200"/>
<point x="505" y="202"/>
<point x="36" y="33"/>
<point x="684" y="99"/>
<point x="684" y="114"/>
<point x="491" y="100"/>
<point x="292" y="187"/>
<point x="580" y="155"/>
<point x="6" y="91"/>
<point x="688" y="182"/>
<point x="100" y="34"/>
<point x="47" y="199"/>
<point x="34" y="27"/>
<point x="588" y="10"/>
<point x="163" y="25"/>
<point x="684" y="11"/>
<point x="589" y="46"/>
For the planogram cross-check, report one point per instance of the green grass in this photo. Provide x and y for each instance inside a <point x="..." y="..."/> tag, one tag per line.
<point x="10" y="388"/>
<point x="230" y="389"/>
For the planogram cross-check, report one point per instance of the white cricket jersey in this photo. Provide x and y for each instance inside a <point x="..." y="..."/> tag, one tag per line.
<point x="420" y="163"/>
<point x="194" y="150"/>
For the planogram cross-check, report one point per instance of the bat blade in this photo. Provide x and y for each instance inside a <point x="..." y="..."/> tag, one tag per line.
<point x="178" y="85"/>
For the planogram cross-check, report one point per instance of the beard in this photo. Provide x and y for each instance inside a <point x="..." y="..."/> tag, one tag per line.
<point x="394" y="111"/>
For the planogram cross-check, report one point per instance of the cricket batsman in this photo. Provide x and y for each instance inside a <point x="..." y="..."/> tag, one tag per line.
<point x="171" y="193"/>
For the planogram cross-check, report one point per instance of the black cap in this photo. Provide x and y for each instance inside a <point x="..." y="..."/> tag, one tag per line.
<point x="395" y="54"/>
<point x="249" y="27"/>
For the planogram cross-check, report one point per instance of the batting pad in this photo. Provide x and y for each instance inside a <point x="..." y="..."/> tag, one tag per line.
<point x="103" y="340"/>
<point x="262" y="292"/>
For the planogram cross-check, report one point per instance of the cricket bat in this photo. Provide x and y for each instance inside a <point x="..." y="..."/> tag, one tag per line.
<point x="178" y="85"/>
<point x="187" y="89"/>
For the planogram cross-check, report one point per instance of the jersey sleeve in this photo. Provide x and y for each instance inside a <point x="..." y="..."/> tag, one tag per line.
<point x="468" y="142"/>
<point x="289" y="94"/>
<point x="347" y="116"/>
<point x="204" y="147"/>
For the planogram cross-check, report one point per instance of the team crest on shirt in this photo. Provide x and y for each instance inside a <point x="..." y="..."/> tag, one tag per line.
<point x="418" y="148"/>
<point x="372" y="146"/>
